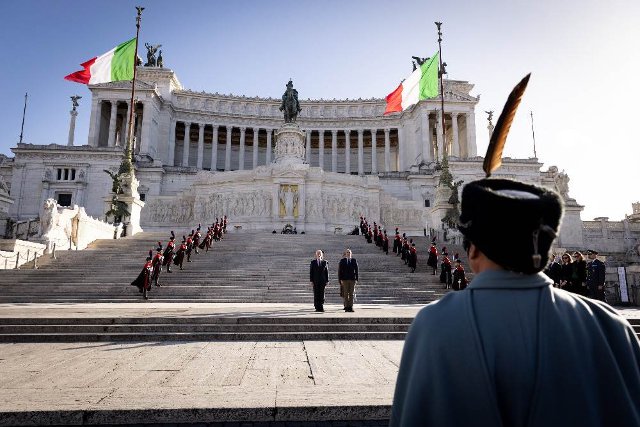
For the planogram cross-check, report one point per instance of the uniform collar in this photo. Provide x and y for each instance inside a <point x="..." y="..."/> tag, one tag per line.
<point x="503" y="279"/>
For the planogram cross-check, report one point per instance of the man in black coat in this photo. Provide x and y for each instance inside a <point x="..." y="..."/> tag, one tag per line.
<point x="348" y="278"/>
<point x="595" y="276"/>
<point x="319" y="278"/>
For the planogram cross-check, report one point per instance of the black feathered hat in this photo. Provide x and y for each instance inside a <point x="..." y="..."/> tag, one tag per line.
<point x="173" y="235"/>
<point x="159" y="248"/>
<point x="511" y="222"/>
<point x="150" y="255"/>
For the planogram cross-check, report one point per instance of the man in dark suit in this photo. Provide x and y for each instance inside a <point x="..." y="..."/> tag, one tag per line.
<point x="595" y="276"/>
<point x="319" y="278"/>
<point x="348" y="277"/>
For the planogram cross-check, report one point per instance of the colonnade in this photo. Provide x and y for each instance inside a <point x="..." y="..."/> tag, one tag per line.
<point x="339" y="144"/>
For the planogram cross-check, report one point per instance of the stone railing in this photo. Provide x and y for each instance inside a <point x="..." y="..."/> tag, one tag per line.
<point x="68" y="228"/>
<point x="15" y="252"/>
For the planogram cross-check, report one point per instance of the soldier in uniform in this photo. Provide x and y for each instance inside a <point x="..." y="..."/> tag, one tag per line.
<point x="189" y="244"/>
<point x="181" y="253"/>
<point x="169" y="252"/>
<point x="459" y="278"/>
<point x="385" y="243"/>
<point x="143" y="281"/>
<point x="413" y="257"/>
<point x="196" y="239"/>
<point x="432" y="261"/>
<point x="397" y="243"/>
<point x="156" y="263"/>
<point x="595" y="275"/>
<point x="516" y="351"/>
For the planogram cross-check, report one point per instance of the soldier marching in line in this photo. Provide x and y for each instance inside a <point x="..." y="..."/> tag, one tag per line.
<point x="156" y="263"/>
<point x="143" y="281"/>
<point x="180" y="254"/>
<point x="169" y="252"/>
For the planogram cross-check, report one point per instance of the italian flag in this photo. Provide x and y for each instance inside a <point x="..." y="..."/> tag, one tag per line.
<point x="421" y="84"/>
<point x="117" y="64"/>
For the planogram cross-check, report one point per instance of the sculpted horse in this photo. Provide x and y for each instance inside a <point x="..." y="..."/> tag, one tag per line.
<point x="290" y="105"/>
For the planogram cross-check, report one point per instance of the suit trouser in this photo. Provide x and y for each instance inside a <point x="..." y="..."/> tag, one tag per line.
<point x="348" y="287"/>
<point x="318" y="295"/>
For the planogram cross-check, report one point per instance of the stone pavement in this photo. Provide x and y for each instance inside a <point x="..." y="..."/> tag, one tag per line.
<point x="264" y="383"/>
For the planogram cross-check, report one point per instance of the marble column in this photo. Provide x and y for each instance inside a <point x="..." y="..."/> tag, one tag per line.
<point x="334" y="151"/>
<point x="227" y="154"/>
<point x="347" y="152"/>
<point x="402" y="165"/>
<point x="321" y="149"/>
<point x="185" y="146"/>
<point x="72" y="126"/>
<point x="112" y="124"/>
<point x="138" y="129"/>
<point x="455" y="151"/>
<point x="94" y="123"/>
<point x="172" y="143"/>
<point x="146" y="138"/>
<point x="308" y="147"/>
<point x="124" y="128"/>
<point x="471" y="150"/>
<point x="214" y="149"/>
<point x="439" y="142"/>
<point x="256" y="135"/>
<point x="269" y="149"/>
<point x="200" y="145"/>
<point x="374" y="154"/>
<point x="387" y="151"/>
<point x="243" y="131"/>
<point x="427" y="151"/>
<point x="360" y="152"/>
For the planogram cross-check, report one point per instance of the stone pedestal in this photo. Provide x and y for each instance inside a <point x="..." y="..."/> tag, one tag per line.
<point x="135" y="206"/>
<point x="570" y="233"/>
<point x="289" y="149"/>
<point x="440" y="206"/>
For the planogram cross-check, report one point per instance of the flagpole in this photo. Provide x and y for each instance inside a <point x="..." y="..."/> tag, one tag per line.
<point x="127" y="164"/>
<point x="533" y="134"/>
<point x="441" y="74"/>
<point x="24" y="112"/>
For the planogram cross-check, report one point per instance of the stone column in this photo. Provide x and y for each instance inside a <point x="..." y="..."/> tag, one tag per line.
<point x="146" y="137"/>
<point x="112" y="124"/>
<point x="387" y="151"/>
<point x="334" y="150"/>
<point x="360" y="152"/>
<point x="455" y="150"/>
<point x="321" y="149"/>
<point x="138" y="129"/>
<point x="172" y="143"/>
<point x="256" y="135"/>
<point x="72" y="126"/>
<point x="471" y="135"/>
<point x="125" y="128"/>
<point x="185" y="147"/>
<point x="347" y="152"/>
<point x="94" y="123"/>
<point x="227" y="154"/>
<point x="374" y="154"/>
<point x="427" y="152"/>
<point x="401" y="150"/>
<point x="439" y="140"/>
<point x="243" y="131"/>
<point x="269" y="149"/>
<point x="308" y="147"/>
<point x="214" y="149"/>
<point x="200" y="145"/>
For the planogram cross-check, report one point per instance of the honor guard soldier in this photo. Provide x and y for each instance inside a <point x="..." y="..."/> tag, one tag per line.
<point x="156" y="263"/>
<point x="169" y="252"/>
<point x="143" y="281"/>
<point x="181" y="253"/>
<point x="595" y="276"/>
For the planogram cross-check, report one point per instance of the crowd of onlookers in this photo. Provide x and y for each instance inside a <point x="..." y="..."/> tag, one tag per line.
<point x="575" y="273"/>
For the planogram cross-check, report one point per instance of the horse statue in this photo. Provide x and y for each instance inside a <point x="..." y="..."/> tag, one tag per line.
<point x="290" y="104"/>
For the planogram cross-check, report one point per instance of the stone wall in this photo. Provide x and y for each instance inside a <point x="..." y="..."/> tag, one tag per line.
<point x="15" y="252"/>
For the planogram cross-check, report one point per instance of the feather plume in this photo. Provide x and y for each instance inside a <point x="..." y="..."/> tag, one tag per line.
<point x="493" y="158"/>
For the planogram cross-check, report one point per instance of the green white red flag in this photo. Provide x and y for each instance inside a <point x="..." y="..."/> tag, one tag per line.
<point x="115" y="65"/>
<point x="421" y="84"/>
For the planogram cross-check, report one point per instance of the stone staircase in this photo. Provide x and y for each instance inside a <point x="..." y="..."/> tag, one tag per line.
<point x="243" y="267"/>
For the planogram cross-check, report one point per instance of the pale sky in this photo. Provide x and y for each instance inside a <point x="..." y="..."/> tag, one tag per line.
<point x="584" y="57"/>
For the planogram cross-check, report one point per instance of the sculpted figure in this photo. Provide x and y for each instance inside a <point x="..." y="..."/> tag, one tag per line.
<point x="290" y="105"/>
<point x="151" y="54"/>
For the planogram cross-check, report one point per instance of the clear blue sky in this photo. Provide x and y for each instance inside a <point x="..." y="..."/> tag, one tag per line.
<point x="583" y="55"/>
